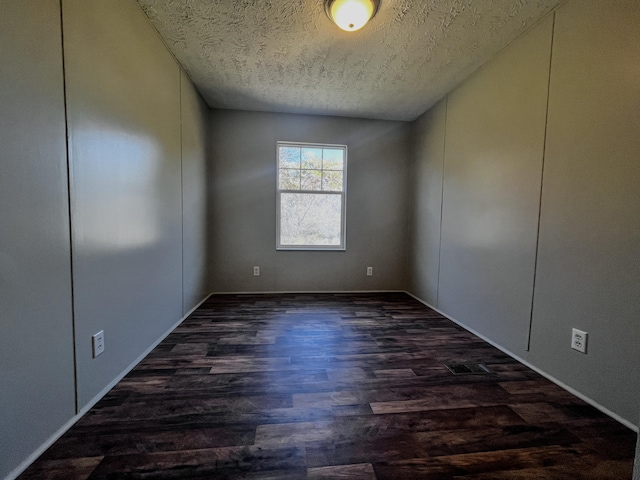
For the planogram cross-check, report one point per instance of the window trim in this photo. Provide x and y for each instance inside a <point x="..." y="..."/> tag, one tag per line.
<point x="343" y="217"/>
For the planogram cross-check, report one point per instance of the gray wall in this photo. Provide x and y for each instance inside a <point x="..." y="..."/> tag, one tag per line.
<point x="195" y="145"/>
<point x="585" y="262"/>
<point x="137" y="156"/>
<point x="589" y="257"/>
<point x="243" y="199"/>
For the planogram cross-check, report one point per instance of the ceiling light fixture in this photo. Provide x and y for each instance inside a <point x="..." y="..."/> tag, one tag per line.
<point x="351" y="15"/>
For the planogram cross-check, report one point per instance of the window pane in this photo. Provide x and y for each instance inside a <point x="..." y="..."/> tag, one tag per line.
<point x="312" y="158"/>
<point x="332" y="181"/>
<point x="311" y="180"/>
<point x="310" y="219"/>
<point x="289" y="179"/>
<point x="311" y="183"/>
<point x="289" y="157"/>
<point x="333" y="159"/>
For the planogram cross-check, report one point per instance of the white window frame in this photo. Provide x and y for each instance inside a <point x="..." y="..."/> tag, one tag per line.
<point x="343" y="194"/>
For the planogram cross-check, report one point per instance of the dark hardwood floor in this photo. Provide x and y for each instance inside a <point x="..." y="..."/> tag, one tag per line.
<point x="327" y="386"/>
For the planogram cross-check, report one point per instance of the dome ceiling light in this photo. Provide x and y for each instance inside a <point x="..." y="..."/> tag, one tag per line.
<point x="351" y="15"/>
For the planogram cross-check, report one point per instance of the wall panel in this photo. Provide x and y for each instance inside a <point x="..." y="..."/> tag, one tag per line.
<point x="492" y="172"/>
<point x="426" y="205"/>
<point x="123" y="99"/>
<point x="36" y="332"/>
<point x="195" y="145"/>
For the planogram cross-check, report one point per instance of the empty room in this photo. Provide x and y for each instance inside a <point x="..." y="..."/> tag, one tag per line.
<point x="319" y="239"/>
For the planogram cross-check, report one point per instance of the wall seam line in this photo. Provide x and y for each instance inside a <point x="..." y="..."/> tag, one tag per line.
<point x="411" y="209"/>
<point x="544" y="154"/>
<point x="444" y="152"/>
<point x="181" y="188"/>
<point x="69" y="209"/>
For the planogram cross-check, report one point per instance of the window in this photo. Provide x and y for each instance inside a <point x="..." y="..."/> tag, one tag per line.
<point x="311" y="196"/>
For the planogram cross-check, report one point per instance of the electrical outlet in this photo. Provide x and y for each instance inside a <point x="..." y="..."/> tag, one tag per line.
<point x="369" y="271"/>
<point x="256" y="271"/>
<point x="97" y="341"/>
<point x="579" y="340"/>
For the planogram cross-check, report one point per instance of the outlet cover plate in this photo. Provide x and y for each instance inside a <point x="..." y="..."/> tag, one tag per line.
<point x="97" y="341"/>
<point x="579" y="340"/>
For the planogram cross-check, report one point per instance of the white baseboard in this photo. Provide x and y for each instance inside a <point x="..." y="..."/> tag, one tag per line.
<point x="548" y="376"/>
<point x="62" y="430"/>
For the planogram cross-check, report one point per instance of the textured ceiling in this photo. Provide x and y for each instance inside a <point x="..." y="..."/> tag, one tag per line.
<point x="287" y="56"/>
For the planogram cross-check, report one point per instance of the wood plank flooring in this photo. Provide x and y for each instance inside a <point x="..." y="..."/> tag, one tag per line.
<point x="323" y="386"/>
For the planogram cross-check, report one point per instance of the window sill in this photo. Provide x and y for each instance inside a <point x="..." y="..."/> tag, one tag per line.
<point x="311" y="249"/>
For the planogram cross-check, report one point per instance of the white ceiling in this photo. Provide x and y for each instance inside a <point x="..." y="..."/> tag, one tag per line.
<point x="287" y="56"/>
